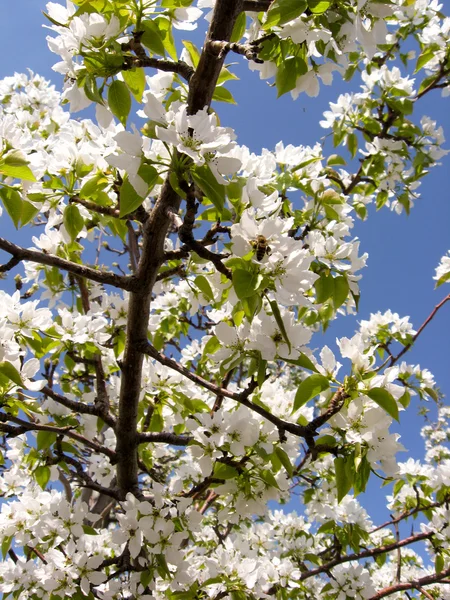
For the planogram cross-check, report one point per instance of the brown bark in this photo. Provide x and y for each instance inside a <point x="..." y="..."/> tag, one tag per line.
<point x="201" y="88"/>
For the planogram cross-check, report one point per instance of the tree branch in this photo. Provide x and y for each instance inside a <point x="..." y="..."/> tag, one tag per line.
<point x="13" y="262"/>
<point x="416" y="584"/>
<point x="368" y="554"/>
<point x="165" y="437"/>
<point x="26" y="426"/>
<point x="79" y="407"/>
<point x="201" y="88"/>
<point x="256" y="5"/>
<point x="50" y="260"/>
<point x="395" y="359"/>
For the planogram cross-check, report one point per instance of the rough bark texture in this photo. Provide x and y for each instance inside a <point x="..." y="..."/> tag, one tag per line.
<point x="201" y="89"/>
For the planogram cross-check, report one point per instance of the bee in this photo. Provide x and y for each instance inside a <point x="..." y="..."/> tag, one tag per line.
<point x="261" y="247"/>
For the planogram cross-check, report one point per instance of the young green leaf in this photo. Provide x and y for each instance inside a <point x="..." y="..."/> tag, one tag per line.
<point x="344" y="479"/>
<point x="153" y="37"/>
<point x="12" y="202"/>
<point x="310" y="387"/>
<point x="209" y="185"/>
<point x="324" y="287"/>
<point x="203" y="285"/>
<point x="319" y="6"/>
<point x="285" y="460"/>
<point x="7" y="369"/>
<point x="282" y="11"/>
<point x="129" y="198"/>
<point x="385" y="400"/>
<point x="340" y="291"/>
<point x="246" y="282"/>
<point x="42" y="476"/>
<point x="135" y="80"/>
<point x="15" y="165"/>
<point x="222" y="471"/>
<point x="119" y="100"/>
<point x="73" y="221"/>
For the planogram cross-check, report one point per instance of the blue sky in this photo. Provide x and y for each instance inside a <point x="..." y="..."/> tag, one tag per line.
<point x="403" y="251"/>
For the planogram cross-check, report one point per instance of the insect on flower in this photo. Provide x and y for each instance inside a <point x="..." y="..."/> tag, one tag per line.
<point x="261" y="247"/>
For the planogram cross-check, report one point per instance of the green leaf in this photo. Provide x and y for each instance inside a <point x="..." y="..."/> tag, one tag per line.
<point x="310" y="387"/>
<point x="251" y="306"/>
<point x="324" y="287"/>
<point x="156" y="422"/>
<point x="15" y="165"/>
<point x="91" y="90"/>
<point x="405" y="399"/>
<point x="129" y="198"/>
<point x="119" y="100"/>
<point x="239" y="27"/>
<point x="352" y="144"/>
<point x="443" y="279"/>
<point x="6" y="545"/>
<point x="222" y="471"/>
<point x="135" y="80"/>
<point x="439" y="563"/>
<point x="302" y="361"/>
<point x="7" y="369"/>
<point x="165" y="30"/>
<point x="326" y="440"/>
<point x="285" y="460"/>
<point x="261" y="375"/>
<point x="269" y="479"/>
<point x="280" y="323"/>
<point x="385" y="400"/>
<point x="192" y="51"/>
<point x="246" y="282"/>
<point x="153" y="37"/>
<point x="340" y="292"/>
<point x="424" y="57"/>
<point x="344" y="480"/>
<point x="45" y="439"/>
<point x="319" y="6"/>
<point x="29" y="211"/>
<point x="149" y="174"/>
<point x="221" y="94"/>
<point x="73" y="221"/>
<point x="335" y="159"/>
<point x="93" y="186"/>
<point x="282" y="11"/>
<point x="288" y="72"/>
<point x="42" y="476"/>
<point x="204" y="286"/>
<point x="12" y="202"/>
<point x="88" y="530"/>
<point x="211" y="346"/>
<point x="209" y="185"/>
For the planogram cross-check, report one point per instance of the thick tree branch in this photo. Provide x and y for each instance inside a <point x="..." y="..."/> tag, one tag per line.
<point x="164" y="437"/>
<point x="256" y="5"/>
<point x="201" y="88"/>
<point x="50" y="260"/>
<point x="250" y="51"/>
<point x="143" y="60"/>
<point x="180" y="67"/>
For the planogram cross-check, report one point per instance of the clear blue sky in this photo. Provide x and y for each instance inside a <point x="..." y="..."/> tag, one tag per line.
<point x="403" y="251"/>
